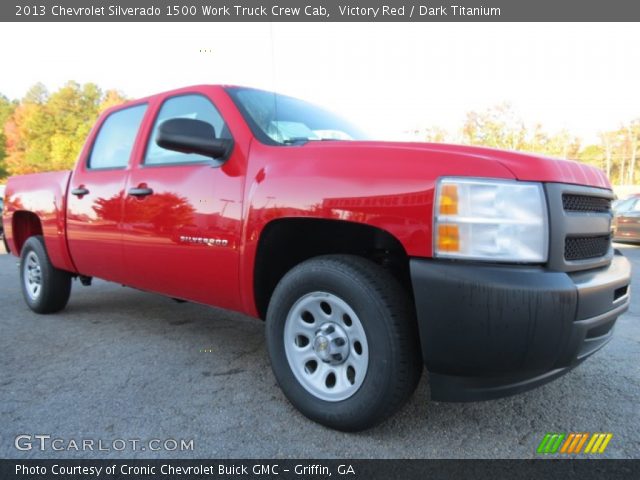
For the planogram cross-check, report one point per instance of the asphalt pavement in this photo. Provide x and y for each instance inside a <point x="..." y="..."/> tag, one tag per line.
<point x="123" y="367"/>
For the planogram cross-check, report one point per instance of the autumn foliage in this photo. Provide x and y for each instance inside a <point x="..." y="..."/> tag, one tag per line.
<point x="616" y="151"/>
<point x="45" y="131"/>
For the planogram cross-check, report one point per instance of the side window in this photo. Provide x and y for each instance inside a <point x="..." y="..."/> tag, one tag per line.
<point x="184" y="106"/>
<point x="114" y="142"/>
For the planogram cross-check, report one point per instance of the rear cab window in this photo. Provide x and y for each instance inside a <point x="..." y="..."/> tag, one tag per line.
<point x="116" y="138"/>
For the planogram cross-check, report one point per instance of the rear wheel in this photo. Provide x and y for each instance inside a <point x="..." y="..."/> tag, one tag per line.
<point x="342" y="340"/>
<point x="45" y="288"/>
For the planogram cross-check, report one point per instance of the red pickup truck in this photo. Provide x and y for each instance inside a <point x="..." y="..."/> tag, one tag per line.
<point x="367" y="260"/>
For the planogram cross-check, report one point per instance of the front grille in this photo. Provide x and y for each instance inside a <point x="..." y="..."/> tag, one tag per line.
<point x="581" y="248"/>
<point x="580" y="227"/>
<point x="585" y="203"/>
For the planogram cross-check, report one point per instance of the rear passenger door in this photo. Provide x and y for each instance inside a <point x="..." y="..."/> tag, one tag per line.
<point x="182" y="216"/>
<point x="95" y="195"/>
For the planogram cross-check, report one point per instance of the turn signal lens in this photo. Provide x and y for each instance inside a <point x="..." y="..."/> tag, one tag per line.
<point x="448" y="238"/>
<point x="449" y="199"/>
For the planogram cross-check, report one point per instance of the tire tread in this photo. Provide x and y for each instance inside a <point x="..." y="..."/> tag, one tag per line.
<point x="56" y="284"/>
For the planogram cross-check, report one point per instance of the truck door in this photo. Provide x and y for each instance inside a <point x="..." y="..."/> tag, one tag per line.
<point x="181" y="226"/>
<point x="95" y="195"/>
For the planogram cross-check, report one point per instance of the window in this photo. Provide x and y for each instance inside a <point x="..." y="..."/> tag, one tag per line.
<point x="185" y="106"/>
<point x="278" y="119"/>
<point x="113" y="145"/>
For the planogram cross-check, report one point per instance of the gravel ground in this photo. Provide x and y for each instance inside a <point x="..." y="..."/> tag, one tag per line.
<point x="123" y="364"/>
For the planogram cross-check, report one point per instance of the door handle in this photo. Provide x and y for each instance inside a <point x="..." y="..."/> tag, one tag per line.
<point x="80" y="191"/>
<point x="140" y="191"/>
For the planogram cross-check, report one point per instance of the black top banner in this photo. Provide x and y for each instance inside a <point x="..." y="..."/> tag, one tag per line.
<point x="319" y="11"/>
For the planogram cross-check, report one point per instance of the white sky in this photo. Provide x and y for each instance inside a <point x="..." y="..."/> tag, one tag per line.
<point x="385" y="77"/>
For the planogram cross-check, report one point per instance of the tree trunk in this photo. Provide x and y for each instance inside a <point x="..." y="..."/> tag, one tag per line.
<point x="607" y="152"/>
<point x="633" y="137"/>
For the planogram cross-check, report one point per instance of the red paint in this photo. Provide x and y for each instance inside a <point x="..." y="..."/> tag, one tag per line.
<point x="140" y="241"/>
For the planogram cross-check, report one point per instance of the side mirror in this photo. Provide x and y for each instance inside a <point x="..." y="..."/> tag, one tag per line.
<point x="187" y="135"/>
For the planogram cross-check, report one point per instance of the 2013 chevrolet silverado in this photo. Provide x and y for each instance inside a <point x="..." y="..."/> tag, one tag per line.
<point x="367" y="260"/>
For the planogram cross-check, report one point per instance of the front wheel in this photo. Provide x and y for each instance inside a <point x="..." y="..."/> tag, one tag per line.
<point x="45" y="288"/>
<point x="342" y="339"/>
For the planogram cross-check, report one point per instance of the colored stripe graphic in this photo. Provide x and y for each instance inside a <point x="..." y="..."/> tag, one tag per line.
<point x="571" y="439"/>
<point x="598" y="443"/>
<point x="551" y="442"/>
<point x="557" y="443"/>
<point x="581" y="443"/>
<point x="573" y="442"/>
<point x="543" y="443"/>
<point x="590" y="444"/>
<point x="604" y="445"/>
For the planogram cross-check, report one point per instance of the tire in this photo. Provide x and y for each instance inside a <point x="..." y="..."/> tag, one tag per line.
<point x="372" y="353"/>
<point x="45" y="288"/>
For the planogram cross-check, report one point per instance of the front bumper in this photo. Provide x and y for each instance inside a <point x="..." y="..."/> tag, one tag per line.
<point x="489" y="331"/>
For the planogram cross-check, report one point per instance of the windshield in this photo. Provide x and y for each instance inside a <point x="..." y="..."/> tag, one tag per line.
<point x="278" y="119"/>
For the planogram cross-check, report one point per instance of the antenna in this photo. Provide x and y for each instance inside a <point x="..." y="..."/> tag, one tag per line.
<point x="273" y="79"/>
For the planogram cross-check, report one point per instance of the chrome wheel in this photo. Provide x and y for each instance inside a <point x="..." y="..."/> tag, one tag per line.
<point x="326" y="346"/>
<point x="32" y="275"/>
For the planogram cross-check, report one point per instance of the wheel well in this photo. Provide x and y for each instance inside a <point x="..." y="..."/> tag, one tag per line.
<point x="24" y="225"/>
<point x="284" y="243"/>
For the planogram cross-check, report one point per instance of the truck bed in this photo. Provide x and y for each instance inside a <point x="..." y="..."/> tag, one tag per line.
<point x="43" y="197"/>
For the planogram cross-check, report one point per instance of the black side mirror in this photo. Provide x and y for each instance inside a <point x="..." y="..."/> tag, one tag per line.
<point x="187" y="135"/>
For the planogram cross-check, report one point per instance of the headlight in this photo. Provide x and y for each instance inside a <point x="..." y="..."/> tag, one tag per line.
<point x="497" y="220"/>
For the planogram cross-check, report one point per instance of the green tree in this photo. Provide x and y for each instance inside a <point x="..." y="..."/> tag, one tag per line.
<point x="112" y="98"/>
<point x="72" y="110"/>
<point x="435" y="134"/>
<point x="497" y="126"/>
<point x="559" y="145"/>
<point x="47" y="131"/>
<point x="27" y="130"/>
<point x="592" y="155"/>
<point x="632" y="132"/>
<point x="6" y="110"/>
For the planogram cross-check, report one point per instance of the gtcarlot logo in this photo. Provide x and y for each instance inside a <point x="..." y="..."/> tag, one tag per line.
<point x="43" y="443"/>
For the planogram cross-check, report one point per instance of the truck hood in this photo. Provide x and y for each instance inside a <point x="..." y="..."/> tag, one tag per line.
<point x="523" y="166"/>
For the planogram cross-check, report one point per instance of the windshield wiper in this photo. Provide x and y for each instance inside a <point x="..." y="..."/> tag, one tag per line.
<point x="300" y="140"/>
<point x="295" y="140"/>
